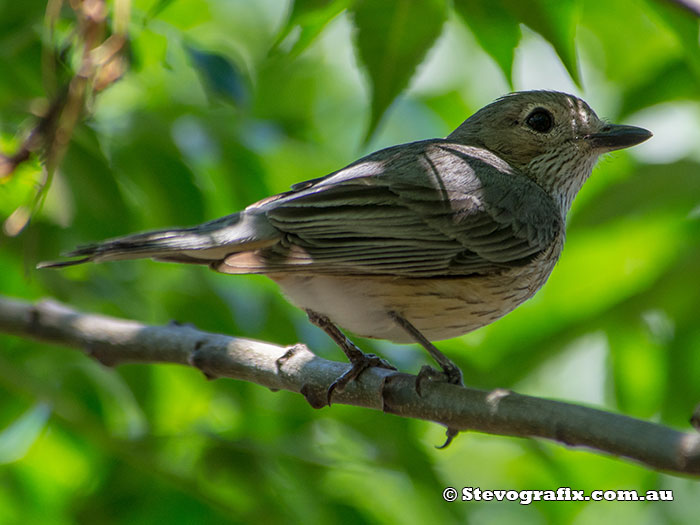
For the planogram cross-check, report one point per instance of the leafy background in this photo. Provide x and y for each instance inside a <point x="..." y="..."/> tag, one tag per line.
<point x="228" y="101"/>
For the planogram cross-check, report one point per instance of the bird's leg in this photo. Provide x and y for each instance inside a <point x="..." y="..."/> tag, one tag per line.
<point x="358" y="359"/>
<point x="450" y="371"/>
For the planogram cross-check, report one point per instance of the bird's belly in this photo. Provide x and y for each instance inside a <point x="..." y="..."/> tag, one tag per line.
<point x="438" y="308"/>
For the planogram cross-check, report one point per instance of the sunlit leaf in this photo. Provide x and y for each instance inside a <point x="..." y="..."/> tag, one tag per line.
<point x="311" y="17"/>
<point x="556" y="21"/>
<point x="18" y="438"/>
<point x="638" y="367"/>
<point x="495" y="28"/>
<point x="649" y="191"/>
<point x="672" y="81"/>
<point x="686" y="27"/>
<point x="626" y="61"/>
<point x="158" y="7"/>
<point x="392" y="38"/>
<point x="182" y="15"/>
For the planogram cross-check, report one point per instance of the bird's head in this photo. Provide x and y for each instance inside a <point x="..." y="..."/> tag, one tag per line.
<point x="553" y="138"/>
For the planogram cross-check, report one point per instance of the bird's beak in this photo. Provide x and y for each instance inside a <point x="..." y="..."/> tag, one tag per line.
<point x="614" y="136"/>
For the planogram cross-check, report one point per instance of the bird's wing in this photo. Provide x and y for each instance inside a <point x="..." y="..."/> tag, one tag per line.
<point x="431" y="208"/>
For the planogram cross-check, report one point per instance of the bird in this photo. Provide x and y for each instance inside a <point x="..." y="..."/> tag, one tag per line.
<point x="413" y="243"/>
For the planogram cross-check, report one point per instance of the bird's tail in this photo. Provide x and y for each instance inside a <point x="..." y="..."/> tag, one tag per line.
<point x="203" y="244"/>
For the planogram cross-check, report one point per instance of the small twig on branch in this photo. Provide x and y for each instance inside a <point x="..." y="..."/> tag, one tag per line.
<point x="115" y="341"/>
<point x="102" y="62"/>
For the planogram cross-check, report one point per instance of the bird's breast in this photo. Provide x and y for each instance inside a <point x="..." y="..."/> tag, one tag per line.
<point x="440" y="308"/>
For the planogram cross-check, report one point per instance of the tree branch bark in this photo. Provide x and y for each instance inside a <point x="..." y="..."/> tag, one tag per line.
<point x="115" y="341"/>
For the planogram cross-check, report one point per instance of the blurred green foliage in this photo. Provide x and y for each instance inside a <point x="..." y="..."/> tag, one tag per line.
<point x="228" y="101"/>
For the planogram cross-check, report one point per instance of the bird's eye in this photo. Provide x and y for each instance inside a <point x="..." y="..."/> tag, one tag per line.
<point x="540" y="120"/>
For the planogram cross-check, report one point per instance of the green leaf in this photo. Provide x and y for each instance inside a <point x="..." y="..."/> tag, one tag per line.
<point x="220" y="75"/>
<point x="651" y="191"/>
<point x="685" y="27"/>
<point x="17" y="439"/>
<point x="556" y="21"/>
<point x="311" y="16"/>
<point x="496" y="30"/>
<point x="638" y="388"/>
<point x="158" y="8"/>
<point x="673" y="81"/>
<point x="392" y="39"/>
<point x="94" y="192"/>
<point x="117" y="405"/>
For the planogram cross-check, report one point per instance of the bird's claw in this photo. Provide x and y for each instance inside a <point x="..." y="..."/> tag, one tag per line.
<point x="359" y="365"/>
<point x="451" y="433"/>
<point x="450" y="374"/>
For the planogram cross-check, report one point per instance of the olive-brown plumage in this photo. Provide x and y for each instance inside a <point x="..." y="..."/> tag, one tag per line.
<point x="442" y="235"/>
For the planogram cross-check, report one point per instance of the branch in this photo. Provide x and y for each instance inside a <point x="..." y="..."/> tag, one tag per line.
<point x="102" y="62"/>
<point x="115" y="341"/>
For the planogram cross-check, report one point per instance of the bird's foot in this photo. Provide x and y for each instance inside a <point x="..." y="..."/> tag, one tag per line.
<point x="358" y="359"/>
<point x="449" y="374"/>
<point x="359" y="363"/>
<point x="451" y="433"/>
